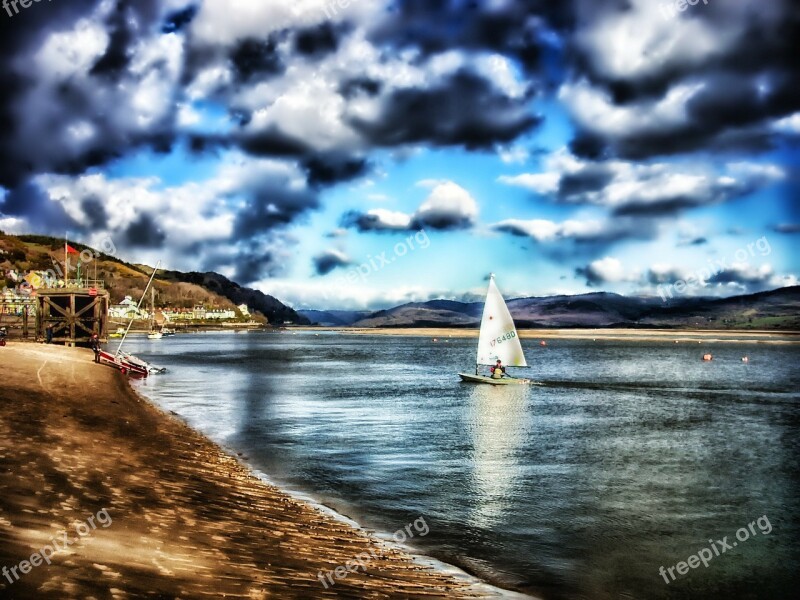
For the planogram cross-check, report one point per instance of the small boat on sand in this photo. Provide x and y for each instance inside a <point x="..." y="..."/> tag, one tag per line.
<point x="127" y="363"/>
<point x="498" y="340"/>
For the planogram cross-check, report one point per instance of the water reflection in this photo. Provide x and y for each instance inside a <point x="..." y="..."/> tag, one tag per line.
<point x="499" y="420"/>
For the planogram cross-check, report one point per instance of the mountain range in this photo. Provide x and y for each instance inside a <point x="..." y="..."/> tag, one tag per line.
<point x="777" y="309"/>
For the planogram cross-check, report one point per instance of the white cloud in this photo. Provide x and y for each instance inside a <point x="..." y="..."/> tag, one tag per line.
<point x="609" y="270"/>
<point x="640" y="41"/>
<point x="790" y="124"/>
<point x="448" y="205"/>
<point x="626" y="186"/>
<point x="595" y="110"/>
<point x="541" y="183"/>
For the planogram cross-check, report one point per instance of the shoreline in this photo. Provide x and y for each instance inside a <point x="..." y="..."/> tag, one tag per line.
<point x="604" y="334"/>
<point x="189" y="519"/>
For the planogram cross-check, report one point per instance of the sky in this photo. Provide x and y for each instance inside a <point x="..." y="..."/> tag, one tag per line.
<point x="365" y="153"/>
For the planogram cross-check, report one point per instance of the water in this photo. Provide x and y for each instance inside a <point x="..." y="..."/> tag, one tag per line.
<point x="630" y="456"/>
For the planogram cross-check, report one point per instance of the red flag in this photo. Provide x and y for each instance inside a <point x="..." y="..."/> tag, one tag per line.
<point x="71" y="250"/>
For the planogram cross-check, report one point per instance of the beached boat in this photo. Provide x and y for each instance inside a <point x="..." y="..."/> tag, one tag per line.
<point x="498" y="340"/>
<point x="127" y="363"/>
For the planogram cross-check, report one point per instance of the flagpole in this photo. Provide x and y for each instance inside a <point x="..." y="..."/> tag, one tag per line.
<point x="66" y="259"/>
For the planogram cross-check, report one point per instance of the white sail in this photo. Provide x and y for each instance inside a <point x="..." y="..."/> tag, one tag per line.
<point x="498" y="338"/>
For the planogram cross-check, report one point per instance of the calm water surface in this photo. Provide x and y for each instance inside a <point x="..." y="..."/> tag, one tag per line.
<point x="628" y="457"/>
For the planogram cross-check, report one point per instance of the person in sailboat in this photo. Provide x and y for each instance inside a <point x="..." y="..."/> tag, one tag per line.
<point x="498" y="370"/>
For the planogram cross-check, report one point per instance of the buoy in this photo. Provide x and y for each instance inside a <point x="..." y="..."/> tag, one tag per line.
<point x="707" y="357"/>
<point x="745" y="359"/>
<point x="435" y="339"/>
<point x="543" y="343"/>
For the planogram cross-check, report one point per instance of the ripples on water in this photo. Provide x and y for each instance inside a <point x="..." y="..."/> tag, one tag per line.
<point x="627" y="456"/>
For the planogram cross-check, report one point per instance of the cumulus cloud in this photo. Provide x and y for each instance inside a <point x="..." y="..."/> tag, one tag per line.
<point x="629" y="188"/>
<point x="448" y="207"/>
<point x="607" y="270"/>
<point x="580" y="231"/>
<point x="715" y="278"/>
<point x="235" y="221"/>
<point x="718" y="76"/>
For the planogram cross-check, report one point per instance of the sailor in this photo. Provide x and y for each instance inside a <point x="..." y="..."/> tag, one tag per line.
<point x="95" y="345"/>
<point x="498" y="370"/>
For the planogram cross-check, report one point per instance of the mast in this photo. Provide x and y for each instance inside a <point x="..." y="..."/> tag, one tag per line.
<point x="122" y="341"/>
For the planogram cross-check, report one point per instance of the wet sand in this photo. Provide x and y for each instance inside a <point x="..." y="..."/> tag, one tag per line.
<point x="186" y="519"/>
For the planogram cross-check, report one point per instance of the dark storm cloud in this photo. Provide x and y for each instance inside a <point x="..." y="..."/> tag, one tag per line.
<point x="271" y="141"/>
<point x="592" y="178"/>
<point x="464" y="110"/>
<point x="30" y="203"/>
<point x="350" y="88"/>
<point x="178" y="20"/>
<point x="31" y="109"/>
<point x="144" y="232"/>
<point x="116" y="58"/>
<point x="328" y="170"/>
<point x="328" y="261"/>
<point x="441" y="220"/>
<point x="749" y="80"/>
<point x="366" y="222"/>
<point x="746" y="277"/>
<point x="594" y="277"/>
<point x="665" y="276"/>
<point x="591" y="238"/>
<point x="253" y="265"/>
<point x="317" y="41"/>
<point x="95" y="212"/>
<point x="257" y="58"/>
<point x="517" y="29"/>
<point x="269" y="207"/>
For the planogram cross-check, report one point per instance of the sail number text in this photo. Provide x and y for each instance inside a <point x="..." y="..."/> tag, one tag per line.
<point x="503" y="338"/>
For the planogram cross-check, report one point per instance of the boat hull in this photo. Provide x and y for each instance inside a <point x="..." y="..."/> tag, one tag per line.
<point x="488" y="380"/>
<point x="126" y="364"/>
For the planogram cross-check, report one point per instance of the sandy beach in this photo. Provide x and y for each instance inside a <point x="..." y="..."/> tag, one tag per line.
<point x="137" y="504"/>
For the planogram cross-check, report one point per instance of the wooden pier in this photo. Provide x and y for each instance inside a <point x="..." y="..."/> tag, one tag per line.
<point x="74" y="313"/>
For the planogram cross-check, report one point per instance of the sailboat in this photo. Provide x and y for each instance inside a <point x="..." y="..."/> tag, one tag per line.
<point x="498" y="340"/>
<point x="128" y="363"/>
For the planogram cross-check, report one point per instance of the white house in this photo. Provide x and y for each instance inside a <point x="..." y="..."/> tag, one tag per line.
<point x="127" y="310"/>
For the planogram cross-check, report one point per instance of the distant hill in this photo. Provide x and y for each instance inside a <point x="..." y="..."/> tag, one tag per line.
<point x="173" y="288"/>
<point x="334" y="318"/>
<point x="277" y="312"/>
<point x="777" y="309"/>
